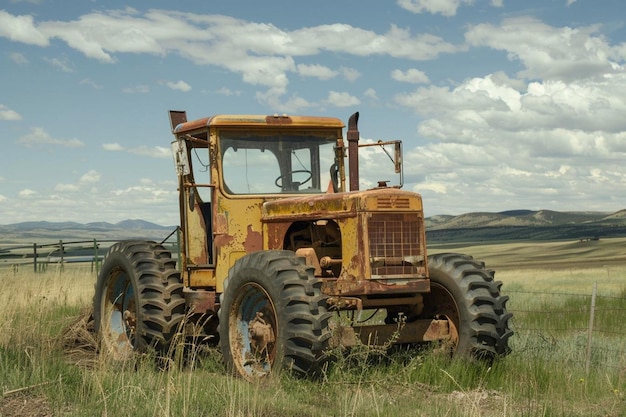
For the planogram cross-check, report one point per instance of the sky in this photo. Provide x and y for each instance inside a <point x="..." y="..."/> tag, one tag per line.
<point x="500" y="104"/>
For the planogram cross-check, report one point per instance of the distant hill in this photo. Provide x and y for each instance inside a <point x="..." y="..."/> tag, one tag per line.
<point x="42" y="230"/>
<point x="468" y="227"/>
<point x="525" y="224"/>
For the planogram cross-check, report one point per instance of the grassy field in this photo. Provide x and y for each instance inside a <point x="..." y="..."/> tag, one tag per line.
<point x="48" y="369"/>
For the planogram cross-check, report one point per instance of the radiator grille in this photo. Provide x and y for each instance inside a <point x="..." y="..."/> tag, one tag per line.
<point x="394" y="240"/>
<point x="400" y="203"/>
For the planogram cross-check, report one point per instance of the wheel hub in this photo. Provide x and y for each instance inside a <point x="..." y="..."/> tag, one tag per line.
<point x="261" y="334"/>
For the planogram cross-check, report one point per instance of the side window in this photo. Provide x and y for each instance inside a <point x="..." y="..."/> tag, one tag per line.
<point x="250" y="171"/>
<point x="201" y="173"/>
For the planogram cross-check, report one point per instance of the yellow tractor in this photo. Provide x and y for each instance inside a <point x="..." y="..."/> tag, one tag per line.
<point x="280" y="262"/>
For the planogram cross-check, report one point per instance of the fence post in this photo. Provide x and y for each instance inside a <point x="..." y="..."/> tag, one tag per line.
<point x="590" y="331"/>
<point x="35" y="257"/>
<point x="61" y="250"/>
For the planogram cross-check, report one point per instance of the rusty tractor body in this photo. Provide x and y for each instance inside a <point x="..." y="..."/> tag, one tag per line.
<point x="276" y="240"/>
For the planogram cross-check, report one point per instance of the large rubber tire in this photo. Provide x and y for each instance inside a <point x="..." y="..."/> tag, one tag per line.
<point x="279" y="289"/>
<point x="138" y="303"/>
<point x="465" y="292"/>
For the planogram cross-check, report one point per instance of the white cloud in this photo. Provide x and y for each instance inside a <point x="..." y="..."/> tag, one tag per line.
<point x="27" y="192"/>
<point x="546" y="146"/>
<point x="113" y="147"/>
<point x="274" y="99"/>
<point x="443" y="7"/>
<point x="90" y="177"/>
<point x="21" y="29"/>
<point x="60" y="63"/>
<point x="67" y="187"/>
<point x="350" y="74"/>
<point x="371" y="94"/>
<point x="262" y="53"/>
<point x="179" y="85"/>
<point x="224" y="91"/>
<point x="18" y="58"/>
<point x="411" y="75"/>
<point x="342" y="99"/>
<point x="151" y="151"/>
<point x="317" y="71"/>
<point x="548" y="52"/>
<point x="39" y="136"/>
<point x="8" y="114"/>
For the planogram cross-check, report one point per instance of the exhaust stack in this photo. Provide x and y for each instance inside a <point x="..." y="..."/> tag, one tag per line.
<point x="353" y="151"/>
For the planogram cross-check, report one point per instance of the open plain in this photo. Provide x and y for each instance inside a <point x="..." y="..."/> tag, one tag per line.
<point x="49" y="367"/>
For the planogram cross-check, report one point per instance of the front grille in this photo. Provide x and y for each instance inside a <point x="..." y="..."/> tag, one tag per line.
<point x="395" y="247"/>
<point x="399" y="203"/>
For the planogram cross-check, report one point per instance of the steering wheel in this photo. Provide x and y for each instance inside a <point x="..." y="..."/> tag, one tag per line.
<point x="292" y="185"/>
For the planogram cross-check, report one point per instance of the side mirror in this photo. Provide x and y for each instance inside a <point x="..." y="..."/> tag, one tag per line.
<point x="181" y="161"/>
<point x="397" y="160"/>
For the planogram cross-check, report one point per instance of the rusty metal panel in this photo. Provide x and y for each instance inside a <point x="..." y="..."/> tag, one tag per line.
<point x="204" y="277"/>
<point x="319" y="206"/>
<point x="238" y="231"/>
<point x="256" y="121"/>
<point x="347" y="287"/>
<point x="191" y="126"/>
<point x="196" y="237"/>
<point x="414" y="332"/>
<point x="200" y="301"/>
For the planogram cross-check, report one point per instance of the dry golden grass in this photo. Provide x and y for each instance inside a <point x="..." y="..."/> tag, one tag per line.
<point x="70" y="284"/>
<point x="38" y="310"/>
<point x="26" y="295"/>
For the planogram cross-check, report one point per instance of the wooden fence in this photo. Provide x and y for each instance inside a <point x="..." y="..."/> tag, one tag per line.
<point x="40" y="256"/>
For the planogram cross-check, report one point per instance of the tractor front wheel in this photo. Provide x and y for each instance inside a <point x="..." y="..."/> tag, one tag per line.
<point x="273" y="316"/>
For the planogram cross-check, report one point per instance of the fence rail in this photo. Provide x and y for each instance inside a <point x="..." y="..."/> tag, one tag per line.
<point x="63" y="252"/>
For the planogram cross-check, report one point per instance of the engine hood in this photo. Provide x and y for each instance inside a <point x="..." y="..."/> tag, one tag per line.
<point x="337" y="205"/>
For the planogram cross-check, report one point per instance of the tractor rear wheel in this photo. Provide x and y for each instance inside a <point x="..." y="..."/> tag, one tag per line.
<point x="273" y="316"/>
<point x="138" y="301"/>
<point x="463" y="291"/>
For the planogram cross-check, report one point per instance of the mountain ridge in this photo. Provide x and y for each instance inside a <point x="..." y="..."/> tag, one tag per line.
<point x="526" y="225"/>
<point x="521" y="218"/>
<point x="45" y="230"/>
<point x="504" y="225"/>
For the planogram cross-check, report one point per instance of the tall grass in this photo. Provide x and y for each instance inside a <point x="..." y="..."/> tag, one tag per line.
<point x="542" y="377"/>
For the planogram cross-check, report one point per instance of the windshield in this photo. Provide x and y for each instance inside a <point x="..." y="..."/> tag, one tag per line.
<point x="263" y="164"/>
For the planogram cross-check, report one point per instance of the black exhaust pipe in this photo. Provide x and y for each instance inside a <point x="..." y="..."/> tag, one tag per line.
<point x="353" y="151"/>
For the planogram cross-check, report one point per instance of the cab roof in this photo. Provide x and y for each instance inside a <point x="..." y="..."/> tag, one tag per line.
<point x="241" y="120"/>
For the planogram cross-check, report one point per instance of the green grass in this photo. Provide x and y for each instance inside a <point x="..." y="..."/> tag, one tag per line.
<point x="544" y="376"/>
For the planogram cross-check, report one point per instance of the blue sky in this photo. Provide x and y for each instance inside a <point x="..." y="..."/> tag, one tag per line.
<point x="501" y="104"/>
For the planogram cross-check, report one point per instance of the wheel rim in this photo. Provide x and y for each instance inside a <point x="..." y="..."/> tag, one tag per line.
<point x="252" y="331"/>
<point x="119" y="318"/>
<point x="444" y="305"/>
